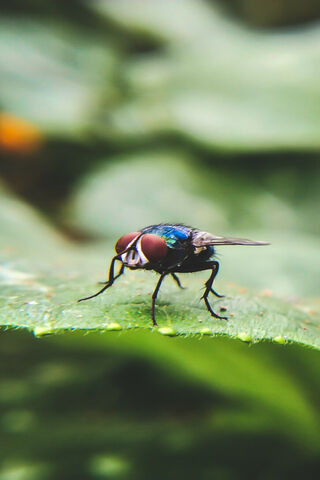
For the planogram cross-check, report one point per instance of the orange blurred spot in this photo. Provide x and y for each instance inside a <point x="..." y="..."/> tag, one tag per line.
<point x="18" y="135"/>
<point x="242" y="290"/>
<point x="266" y="293"/>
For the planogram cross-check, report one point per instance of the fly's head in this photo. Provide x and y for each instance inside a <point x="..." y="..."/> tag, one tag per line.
<point x="137" y="250"/>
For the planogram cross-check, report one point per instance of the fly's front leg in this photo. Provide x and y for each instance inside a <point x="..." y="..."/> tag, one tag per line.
<point x="110" y="281"/>
<point x="121" y="270"/>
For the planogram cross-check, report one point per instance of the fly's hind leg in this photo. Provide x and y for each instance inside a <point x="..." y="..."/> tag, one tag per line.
<point x="215" y="272"/>
<point x="208" y="284"/>
<point x="216" y="293"/>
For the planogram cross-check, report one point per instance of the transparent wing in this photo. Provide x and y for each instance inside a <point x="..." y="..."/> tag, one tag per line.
<point x="202" y="239"/>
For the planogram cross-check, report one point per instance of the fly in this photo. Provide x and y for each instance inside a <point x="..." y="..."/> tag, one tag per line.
<point x="169" y="249"/>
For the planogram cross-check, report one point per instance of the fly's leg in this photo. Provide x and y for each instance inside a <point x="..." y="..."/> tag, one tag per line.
<point x="209" y="289"/>
<point x="215" y="271"/>
<point x="111" y="279"/>
<point x="121" y="270"/>
<point x="176" y="279"/>
<point x="215" y="293"/>
<point x="154" y="296"/>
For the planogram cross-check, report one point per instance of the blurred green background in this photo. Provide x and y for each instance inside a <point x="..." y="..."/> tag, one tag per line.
<point x="115" y="114"/>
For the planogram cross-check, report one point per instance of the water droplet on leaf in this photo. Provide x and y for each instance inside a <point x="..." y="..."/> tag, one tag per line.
<point x="280" y="339"/>
<point x="113" y="327"/>
<point x="42" y="331"/>
<point x="244" y="337"/>
<point x="205" y="331"/>
<point x="168" y="331"/>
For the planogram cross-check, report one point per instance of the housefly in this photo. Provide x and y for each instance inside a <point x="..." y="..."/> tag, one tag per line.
<point x="170" y="249"/>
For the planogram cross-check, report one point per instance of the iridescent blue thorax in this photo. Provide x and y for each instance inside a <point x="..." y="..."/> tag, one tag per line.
<point x="172" y="234"/>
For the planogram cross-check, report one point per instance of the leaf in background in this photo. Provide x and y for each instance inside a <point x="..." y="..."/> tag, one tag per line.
<point x="215" y="82"/>
<point x="139" y="189"/>
<point x="53" y="76"/>
<point x="24" y="231"/>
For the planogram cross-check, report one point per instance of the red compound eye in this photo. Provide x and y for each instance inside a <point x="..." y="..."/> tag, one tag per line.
<point x="153" y="247"/>
<point x="124" y="241"/>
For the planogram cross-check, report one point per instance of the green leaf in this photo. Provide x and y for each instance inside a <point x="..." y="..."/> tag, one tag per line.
<point x="46" y="303"/>
<point x="40" y="292"/>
